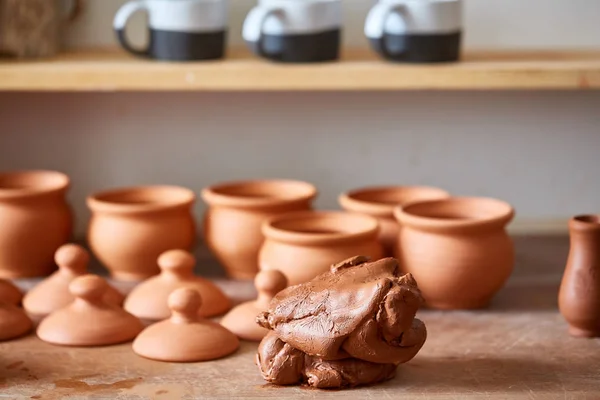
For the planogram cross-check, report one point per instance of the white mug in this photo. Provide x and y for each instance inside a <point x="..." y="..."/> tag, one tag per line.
<point x="180" y="30"/>
<point x="295" y="30"/>
<point x="416" y="30"/>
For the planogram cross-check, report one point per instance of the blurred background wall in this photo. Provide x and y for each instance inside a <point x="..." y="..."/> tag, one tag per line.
<point x="538" y="150"/>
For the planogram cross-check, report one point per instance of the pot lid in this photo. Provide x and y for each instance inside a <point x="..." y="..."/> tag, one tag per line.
<point x="185" y="336"/>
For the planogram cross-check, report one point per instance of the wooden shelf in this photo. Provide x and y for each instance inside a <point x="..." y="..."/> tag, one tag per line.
<point x="114" y="70"/>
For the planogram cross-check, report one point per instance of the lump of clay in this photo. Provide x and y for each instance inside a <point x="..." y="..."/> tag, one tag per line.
<point x="350" y="326"/>
<point x="53" y="292"/>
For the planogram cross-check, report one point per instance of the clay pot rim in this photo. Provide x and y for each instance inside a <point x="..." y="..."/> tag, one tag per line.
<point x="357" y="200"/>
<point x="273" y="228"/>
<point x="502" y="213"/>
<point x="220" y="194"/>
<point x="585" y="222"/>
<point x="58" y="182"/>
<point x="104" y="201"/>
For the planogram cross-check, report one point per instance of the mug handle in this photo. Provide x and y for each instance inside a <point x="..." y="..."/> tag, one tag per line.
<point x="375" y="23"/>
<point x="120" y="23"/>
<point x="253" y="24"/>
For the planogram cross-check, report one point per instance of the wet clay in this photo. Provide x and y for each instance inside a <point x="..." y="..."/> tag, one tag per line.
<point x="242" y="319"/>
<point x="281" y="364"/>
<point x="149" y="300"/>
<point x="185" y="336"/>
<point x="347" y="327"/>
<point x="53" y="292"/>
<point x="89" y="320"/>
<point x="9" y="293"/>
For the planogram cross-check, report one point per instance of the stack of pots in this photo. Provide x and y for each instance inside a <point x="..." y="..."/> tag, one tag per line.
<point x="457" y="248"/>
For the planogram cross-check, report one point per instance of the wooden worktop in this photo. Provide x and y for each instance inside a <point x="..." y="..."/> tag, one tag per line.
<point x="359" y="69"/>
<point x="518" y="348"/>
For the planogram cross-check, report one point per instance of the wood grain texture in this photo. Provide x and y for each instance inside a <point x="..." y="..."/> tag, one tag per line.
<point x="517" y="349"/>
<point x="113" y="70"/>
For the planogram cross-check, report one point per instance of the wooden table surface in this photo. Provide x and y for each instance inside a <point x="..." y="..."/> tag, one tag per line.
<point x="518" y="348"/>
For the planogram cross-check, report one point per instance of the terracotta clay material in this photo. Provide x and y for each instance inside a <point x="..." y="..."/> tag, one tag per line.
<point x="89" y="320"/>
<point x="14" y="322"/>
<point x="379" y="202"/>
<point x="242" y="319"/>
<point x="457" y="249"/>
<point x="36" y="220"/>
<point x="232" y="224"/>
<point x="347" y="327"/>
<point x="304" y="244"/>
<point x="185" y="336"/>
<point x="9" y="293"/>
<point x="282" y="364"/>
<point x="149" y="300"/>
<point x="579" y="295"/>
<point x="53" y="292"/>
<point x="131" y="227"/>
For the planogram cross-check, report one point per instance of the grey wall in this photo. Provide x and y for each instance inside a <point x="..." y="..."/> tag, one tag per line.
<point x="536" y="150"/>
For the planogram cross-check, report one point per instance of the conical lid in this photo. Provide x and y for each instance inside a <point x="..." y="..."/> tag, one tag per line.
<point x="241" y="320"/>
<point x="185" y="336"/>
<point x="13" y="322"/>
<point x="89" y="320"/>
<point x="53" y="292"/>
<point x="148" y="300"/>
<point x="9" y="293"/>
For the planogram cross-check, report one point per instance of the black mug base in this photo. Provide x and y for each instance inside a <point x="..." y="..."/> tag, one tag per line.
<point x="419" y="48"/>
<point x="304" y="48"/>
<point x="182" y="46"/>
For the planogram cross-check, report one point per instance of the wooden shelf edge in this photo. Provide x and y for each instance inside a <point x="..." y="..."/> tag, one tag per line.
<point x="102" y="70"/>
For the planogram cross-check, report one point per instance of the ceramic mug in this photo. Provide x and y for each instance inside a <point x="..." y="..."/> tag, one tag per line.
<point x="181" y="30"/>
<point x="418" y="31"/>
<point x="295" y="30"/>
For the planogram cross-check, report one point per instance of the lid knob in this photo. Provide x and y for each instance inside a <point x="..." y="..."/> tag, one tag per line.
<point x="73" y="258"/>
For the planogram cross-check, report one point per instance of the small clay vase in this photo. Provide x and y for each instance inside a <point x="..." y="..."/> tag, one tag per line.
<point x="379" y="202"/>
<point x="149" y="300"/>
<point x="457" y="249"/>
<point x="232" y="223"/>
<point x="53" y="292"/>
<point x="36" y="220"/>
<point x="241" y="320"/>
<point x="131" y="227"/>
<point x="305" y="244"/>
<point x="89" y="320"/>
<point x="185" y="336"/>
<point x="9" y="293"/>
<point x="14" y="322"/>
<point x="579" y="295"/>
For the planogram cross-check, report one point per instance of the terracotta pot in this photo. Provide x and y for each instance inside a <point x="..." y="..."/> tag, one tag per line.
<point x="457" y="249"/>
<point x="303" y="245"/>
<point x="579" y="295"/>
<point x="379" y="202"/>
<point x="131" y="227"/>
<point x="36" y="220"/>
<point x="232" y="223"/>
